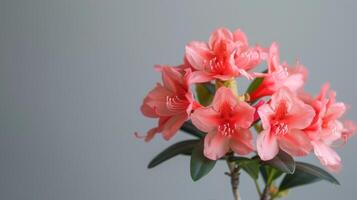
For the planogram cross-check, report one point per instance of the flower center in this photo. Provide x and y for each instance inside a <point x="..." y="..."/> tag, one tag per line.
<point x="216" y="65"/>
<point x="280" y="128"/>
<point x="176" y="103"/>
<point x="226" y="129"/>
<point x="281" y="111"/>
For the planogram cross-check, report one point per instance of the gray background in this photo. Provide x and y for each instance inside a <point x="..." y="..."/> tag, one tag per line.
<point x="73" y="74"/>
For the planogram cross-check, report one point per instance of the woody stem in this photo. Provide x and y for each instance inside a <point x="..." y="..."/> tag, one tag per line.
<point x="265" y="195"/>
<point x="234" y="175"/>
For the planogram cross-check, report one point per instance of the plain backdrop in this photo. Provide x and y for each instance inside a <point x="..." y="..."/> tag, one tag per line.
<point x="73" y="74"/>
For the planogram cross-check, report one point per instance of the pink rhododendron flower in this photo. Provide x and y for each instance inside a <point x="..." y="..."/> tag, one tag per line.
<point x="326" y="127"/>
<point x="225" y="56"/>
<point x="171" y="102"/>
<point x="279" y="75"/>
<point x="283" y="120"/>
<point x="227" y="123"/>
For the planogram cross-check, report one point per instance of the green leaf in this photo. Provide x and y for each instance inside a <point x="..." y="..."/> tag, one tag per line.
<point x="183" y="147"/>
<point x="189" y="128"/>
<point x="305" y="174"/>
<point x="270" y="174"/>
<point x="205" y="93"/>
<point x="263" y="171"/>
<point x="251" y="166"/>
<point x="211" y="88"/>
<point x="200" y="165"/>
<point x="283" y="162"/>
<point x="255" y="83"/>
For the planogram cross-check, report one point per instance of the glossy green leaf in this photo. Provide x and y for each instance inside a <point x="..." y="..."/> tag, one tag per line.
<point x="283" y="162"/>
<point x="189" y="128"/>
<point x="255" y="83"/>
<point x="211" y="88"/>
<point x="269" y="173"/>
<point x="200" y="165"/>
<point x="205" y="93"/>
<point x="250" y="166"/>
<point x="183" y="147"/>
<point x="305" y="174"/>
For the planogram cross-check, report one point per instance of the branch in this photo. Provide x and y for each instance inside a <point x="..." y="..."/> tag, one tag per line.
<point x="265" y="195"/>
<point x="234" y="174"/>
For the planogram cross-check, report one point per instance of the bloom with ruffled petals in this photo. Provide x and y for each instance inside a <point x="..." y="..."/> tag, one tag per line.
<point x="283" y="120"/>
<point x="171" y="102"/>
<point x="227" y="123"/>
<point x="225" y="56"/>
<point x="326" y="127"/>
<point x="279" y="75"/>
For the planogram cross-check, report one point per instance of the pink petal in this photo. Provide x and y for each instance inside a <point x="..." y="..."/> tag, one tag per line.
<point x="265" y="112"/>
<point x="295" y="143"/>
<point x="300" y="115"/>
<point x="335" y="111"/>
<point x="152" y="132"/>
<point x="224" y="96"/>
<point x="323" y="92"/>
<point x="147" y="110"/>
<point x="242" y="142"/>
<point x="159" y="93"/>
<point x="332" y="132"/>
<point x="198" y="55"/>
<point x="200" y="77"/>
<point x="206" y="119"/>
<point x="240" y="36"/>
<point x="218" y="35"/>
<point x="216" y="145"/>
<point x="283" y="95"/>
<point x="273" y="60"/>
<point x="243" y="114"/>
<point x="248" y="59"/>
<point x="327" y="156"/>
<point x="172" y="79"/>
<point x="299" y="69"/>
<point x="172" y="125"/>
<point x="155" y="102"/>
<point x="294" y="82"/>
<point x="350" y="129"/>
<point x="267" y="145"/>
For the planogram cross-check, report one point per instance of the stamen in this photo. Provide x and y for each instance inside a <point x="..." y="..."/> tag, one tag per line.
<point x="280" y="128"/>
<point x="175" y="103"/>
<point x="226" y="129"/>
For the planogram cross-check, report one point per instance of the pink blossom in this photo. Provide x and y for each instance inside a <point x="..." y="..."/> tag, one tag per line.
<point x="171" y="102"/>
<point x="283" y="120"/>
<point x="227" y="123"/>
<point x="225" y="56"/>
<point x="279" y="75"/>
<point x="326" y="127"/>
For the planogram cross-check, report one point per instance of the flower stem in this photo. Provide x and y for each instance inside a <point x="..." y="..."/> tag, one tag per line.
<point x="231" y="84"/>
<point x="265" y="195"/>
<point x="234" y="175"/>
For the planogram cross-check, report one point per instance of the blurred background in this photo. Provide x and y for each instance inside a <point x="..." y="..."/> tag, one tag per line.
<point x="73" y="74"/>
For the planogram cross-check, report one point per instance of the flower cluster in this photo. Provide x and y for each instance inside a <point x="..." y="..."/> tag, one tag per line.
<point x="286" y="118"/>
